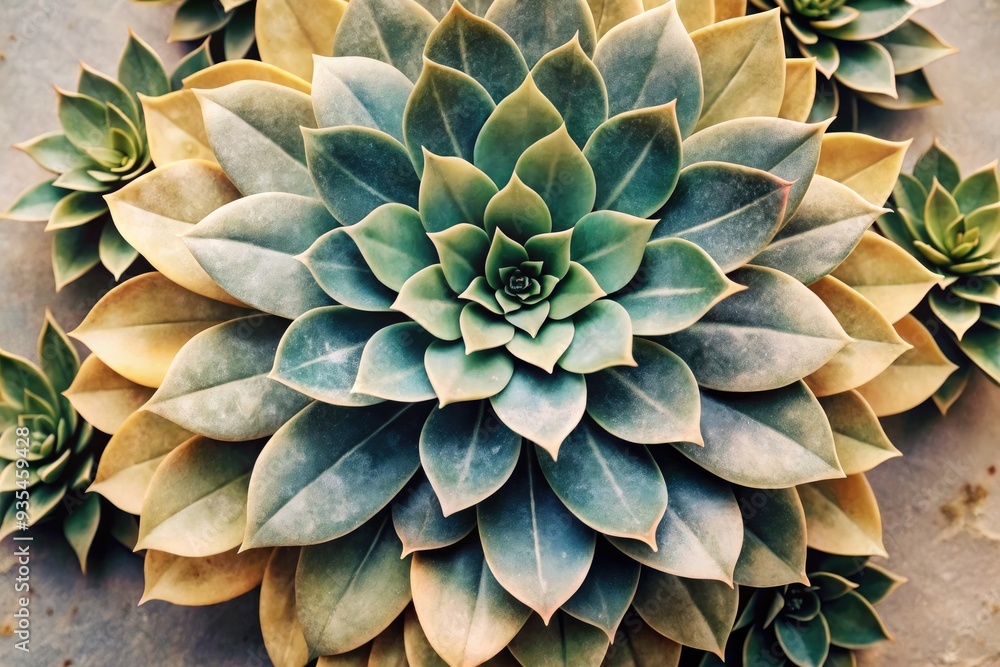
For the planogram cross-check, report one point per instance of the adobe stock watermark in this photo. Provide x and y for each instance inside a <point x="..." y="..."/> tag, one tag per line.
<point x="22" y="546"/>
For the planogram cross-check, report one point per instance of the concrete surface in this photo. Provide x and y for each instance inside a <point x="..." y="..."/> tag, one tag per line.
<point x="941" y="502"/>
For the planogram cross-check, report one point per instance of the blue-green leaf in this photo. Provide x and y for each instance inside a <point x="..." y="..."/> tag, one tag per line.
<point x="568" y="78"/>
<point x="542" y="407"/>
<point x="393" y="31"/>
<point x="607" y="592"/>
<point x="340" y="269"/>
<point x="557" y="170"/>
<point x="394" y="244"/>
<point x="359" y="91"/>
<point x="392" y="364"/>
<point x="421" y="523"/>
<point x="140" y="70"/>
<point x="610" y="246"/>
<point x="539" y="26"/>
<point x="562" y="642"/>
<point x="452" y="192"/>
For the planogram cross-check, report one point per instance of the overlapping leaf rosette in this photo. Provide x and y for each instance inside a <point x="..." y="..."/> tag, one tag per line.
<point x="822" y="623"/>
<point x="229" y="22"/>
<point x="952" y="226"/>
<point x="868" y="49"/>
<point x="48" y="449"/>
<point x="101" y="147"/>
<point x="509" y="322"/>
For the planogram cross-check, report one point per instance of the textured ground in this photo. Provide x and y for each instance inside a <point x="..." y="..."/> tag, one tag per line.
<point x="941" y="503"/>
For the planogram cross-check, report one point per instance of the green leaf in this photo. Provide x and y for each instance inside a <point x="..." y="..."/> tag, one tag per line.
<point x="463" y="249"/>
<point x="765" y="440"/>
<point x="308" y="486"/>
<point x="940" y="216"/>
<point x="428" y="301"/>
<point x="393" y="31"/>
<point x="82" y="180"/>
<point x="140" y="70"/>
<point x="542" y="407"/>
<point x="853" y="622"/>
<point x="610" y="246"/>
<point x="361" y="92"/>
<point x="75" y="209"/>
<point x="482" y="331"/>
<point x="982" y="346"/>
<point x="701" y="534"/>
<point x="255" y="123"/>
<point x="477" y="47"/>
<point x="912" y="47"/>
<point x="636" y="158"/>
<point x="394" y="244"/>
<point x="80" y="527"/>
<point x="521" y="119"/>
<point x="980" y="189"/>
<point x="83" y="120"/>
<point x="875" y="18"/>
<point x="602" y="338"/>
<point x="805" y="643"/>
<point x="735" y="345"/>
<point x="613" y="486"/>
<point x="452" y="192"/>
<point x="638" y="645"/>
<point x="56" y="355"/>
<point x="503" y="253"/>
<point x="238" y="35"/>
<point x="340" y="269"/>
<point x="913" y="92"/>
<point x="606" y="594"/>
<point x="556" y="169"/>
<point x="195" y="61"/>
<point x="821" y="234"/>
<point x="249" y="248"/>
<point x="115" y="252"/>
<point x="866" y="67"/>
<point x="730" y="211"/>
<point x="444" y="114"/>
<point x="392" y="364"/>
<point x="956" y="313"/>
<point x="693" y="612"/>
<point x="541" y="26"/>
<point x="519" y="211"/>
<point x="563" y="642"/>
<point x="197" y="20"/>
<point x="774" y="538"/>
<point x="875" y="583"/>
<point x="652" y="403"/>
<point x="320" y="353"/>
<point x="54" y="152"/>
<point x="467" y="454"/>
<point x="107" y="91"/>
<point x="457" y="375"/>
<point x="568" y="78"/>
<point x="336" y="582"/>
<point x="35" y="204"/>
<point x="466" y="614"/>
<point x="74" y="252"/>
<point x="577" y="290"/>
<point x="649" y="61"/>
<point x="357" y="169"/>
<point x="420" y="522"/>
<point x="196" y="503"/>
<point x="535" y="547"/>
<point x="218" y="384"/>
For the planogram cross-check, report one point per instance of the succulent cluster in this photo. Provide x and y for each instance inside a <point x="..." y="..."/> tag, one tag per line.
<point x="815" y="624"/>
<point x="872" y="49"/>
<point x="952" y="225"/>
<point x="527" y="316"/>
<point x="102" y="146"/>
<point x="230" y="22"/>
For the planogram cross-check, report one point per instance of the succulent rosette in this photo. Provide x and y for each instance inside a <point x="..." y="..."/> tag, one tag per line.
<point x="48" y="449"/>
<point x="229" y="22"/>
<point x="101" y="146"/>
<point x="871" y="49"/>
<point x="520" y="324"/>
<point x="820" y="623"/>
<point x="952" y="226"/>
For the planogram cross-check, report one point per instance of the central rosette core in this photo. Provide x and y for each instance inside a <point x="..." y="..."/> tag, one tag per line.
<point x="522" y="281"/>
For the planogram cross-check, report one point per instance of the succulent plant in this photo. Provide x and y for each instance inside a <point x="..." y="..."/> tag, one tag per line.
<point x="102" y="146"/>
<point x="48" y="449"/>
<point x="230" y="22"/>
<point x="510" y="320"/>
<point x="870" y="49"/>
<point x="952" y="225"/>
<point x="814" y="624"/>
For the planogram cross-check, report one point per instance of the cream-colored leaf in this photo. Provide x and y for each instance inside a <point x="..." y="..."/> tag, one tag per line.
<point x="860" y="440"/>
<point x="154" y="210"/>
<point x="867" y="165"/>
<point x="886" y="275"/>
<point x="800" y="89"/>
<point x="609" y="13"/>
<point x="842" y="517"/>
<point x="914" y="377"/>
<point x="695" y="14"/>
<point x="131" y="457"/>
<point x="138" y="327"/>
<point x="103" y="397"/>
<point x="197" y="582"/>
<point x="729" y="9"/>
<point x="289" y="32"/>
<point x="876" y="344"/>
<point x="174" y="128"/>
<point x="232" y="71"/>
<point x="283" y="638"/>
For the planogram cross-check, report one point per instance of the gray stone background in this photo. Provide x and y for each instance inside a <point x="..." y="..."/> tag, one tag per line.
<point x="940" y="503"/>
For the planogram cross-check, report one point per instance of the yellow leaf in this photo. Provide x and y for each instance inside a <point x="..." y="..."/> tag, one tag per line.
<point x="743" y="67"/>
<point x="886" y="275"/>
<point x="609" y="13"/>
<point x="232" y="71"/>
<point x="861" y="443"/>
<point x="131" y="457"/>
<point x="842" y="517"/>
<point x="283" y="638"/>
<point x="867" y="165"/>
<point x="138" y="327"/>
<point x="876" y="344"/>
<point x="103" y="397"/>
<point x="202" y="581"/>
<point x="289" y="32"/>
<point x="154" y="210"/>
<point x="729" y="9"/>
<point x="419" y="652"/>
<point x="800" y="89"/>
<point x="914" y="377"/>
<point x="174" y="128"/>
<point x="695" y="14"/>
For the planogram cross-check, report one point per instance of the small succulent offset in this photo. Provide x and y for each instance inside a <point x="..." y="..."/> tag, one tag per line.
<point x="530" y="316"/>
<point x="872" y="49"/>
<point x="102" y="146"/>
<point x="816" y="624"/>
<point x="952" y="225"/>
<point x="230" y="22"/>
